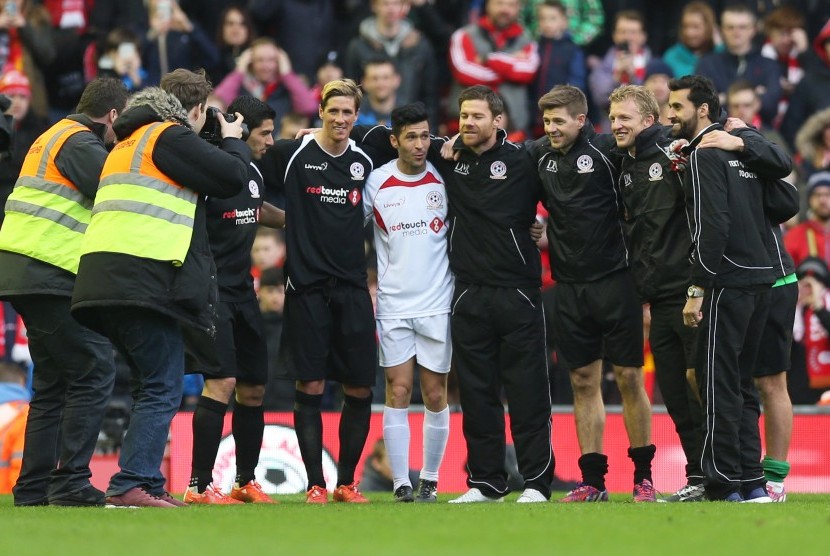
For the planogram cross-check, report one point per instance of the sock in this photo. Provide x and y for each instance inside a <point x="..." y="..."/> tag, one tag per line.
<point x="248" y="427"/>
<point x="775" y="470"/>
<point x="594" y="467"/>
<point x="396" y="438"/>
<point x="354" y="428"/>
<point x="642" y="456"/>
<point x="208" y="420"/>
<point x="436" y="433"/>
<point x="308" y="424"/>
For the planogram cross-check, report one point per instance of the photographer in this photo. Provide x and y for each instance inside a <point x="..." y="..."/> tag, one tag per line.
<point x="146" y="267"/>
<point x="237" y="359"/>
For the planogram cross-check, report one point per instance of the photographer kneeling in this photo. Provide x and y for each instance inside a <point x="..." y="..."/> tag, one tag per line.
<point x="146" y="267"/>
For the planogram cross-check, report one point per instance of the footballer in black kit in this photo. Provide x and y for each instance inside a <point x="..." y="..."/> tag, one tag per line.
<point x="236" y="360"/>
<point x="329" y="330"/>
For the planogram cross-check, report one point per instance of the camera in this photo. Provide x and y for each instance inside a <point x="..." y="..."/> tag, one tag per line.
<point x="6" y="128"/>
<point x="623" y="47"/>
<point x="212" y="131"/>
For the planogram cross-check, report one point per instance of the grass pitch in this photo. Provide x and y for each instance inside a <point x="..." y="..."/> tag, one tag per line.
<point x="799" y="527"/>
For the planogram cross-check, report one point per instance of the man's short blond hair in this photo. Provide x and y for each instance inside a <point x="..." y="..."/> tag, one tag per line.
<point x="643" y="98"/>
<point x="341" y="88"/>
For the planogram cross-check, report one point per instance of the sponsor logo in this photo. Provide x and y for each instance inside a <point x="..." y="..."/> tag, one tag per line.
<point x="552" y="166"/>
<point x="357" y="170"/>
<point x="735" y="164"/>
<point x="627" y="180"/>
<point x="253" y="187"/>
<point x="337" y="196"/>
<point x="242" y="216"/>
<point x="354" y="196"/>
<point x="462" y="168"/>
<point x="584" y="164"/>
<point x="435" y="200"/>
<point x="498" y="170"/>
<point x="409" y="229"/>
<point x="280" y="469"/>
<point x="436" y="224"/>
<point x="396" y="203"/>
<point x="655" y="172"/>
<point x="748" y="175"/>
<point x="319" y="167"/>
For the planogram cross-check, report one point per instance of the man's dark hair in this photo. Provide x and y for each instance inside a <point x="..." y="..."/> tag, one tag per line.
<point x="102" y="95"/>
<point x="271" y="277"/>
<point x="482" y="92"/>
<point x="701" y="91"/>
<point x="190" y="87"/>
<point x="631" y="15"/>
<point x="379" y="60"/>
<point x="11" y="372"/>
<point x="408" y="114"/>
<point x="737" y="8"/>
<point x="253" y="110"/>
<point x="740" y="85"/>
<point x="565" y="96"/>
<point x="556" y="4"/>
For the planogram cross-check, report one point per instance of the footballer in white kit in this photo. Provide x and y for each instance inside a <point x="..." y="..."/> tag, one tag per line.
<point x="407" y="202"/>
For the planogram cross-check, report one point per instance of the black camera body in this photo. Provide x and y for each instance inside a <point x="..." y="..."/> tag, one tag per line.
<point x="6" y="128"/>
<point x="212" y="131"/>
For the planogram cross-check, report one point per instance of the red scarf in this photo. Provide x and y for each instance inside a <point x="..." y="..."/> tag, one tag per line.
<point x="817" y="350"/>
<point x="500" y="37"/>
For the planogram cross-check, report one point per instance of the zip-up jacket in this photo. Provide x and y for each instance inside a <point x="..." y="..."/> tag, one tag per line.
<point x="656" y="221"/>
<point x="492" y="204"/>
<point x="730" y="228"/>
<point x="585" y="229"/>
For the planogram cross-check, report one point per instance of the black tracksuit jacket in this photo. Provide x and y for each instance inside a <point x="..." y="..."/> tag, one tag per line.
<point x="585" y="228"/>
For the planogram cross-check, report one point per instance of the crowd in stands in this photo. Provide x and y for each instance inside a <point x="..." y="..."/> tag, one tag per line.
<point x="769" y="59"/>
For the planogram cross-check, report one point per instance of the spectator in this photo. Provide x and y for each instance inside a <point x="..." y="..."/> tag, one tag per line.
<point x="291" y="124"/>
<point x="14" y="408"/>
<point x="810" y="94"/>
<point x="696" y="38"/>
<point x="267" y="252"/>
<point x="380" y="86"/>
<point x="389" y="33"/>
<point x="562" y="61"/>
<point x="743" y="102"/>
<point x="264" y="71"/>
<point x="813" y="320"/>
<point x="120" y="58"/>
<point x="377" y="470"/>
<point x="279" y="394"/>
<point x="624" y="63"/>
<point x="811" y="237"/>
<point x="173" y="41"/>
<point x="585" y="19"/>
<point x="813" y="144"/>
<point x="786" y="41"/>
<point x="26" y="46"/>
<point x="233" y="37"/>
<point x="27" y="127"/>
<point x="741" y="59"/>
<point x="305" y="28"/>
<point x="208" y="13"/>
<point x="495" y="51"/>
<point x="658" y="74"/>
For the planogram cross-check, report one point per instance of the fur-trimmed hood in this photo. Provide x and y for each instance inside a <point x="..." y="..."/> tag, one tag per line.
<point x="809" y="137"/>
<point x="147" y="106"/>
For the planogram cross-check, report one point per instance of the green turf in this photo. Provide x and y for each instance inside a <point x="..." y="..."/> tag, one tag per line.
<point x="797" y="528"/>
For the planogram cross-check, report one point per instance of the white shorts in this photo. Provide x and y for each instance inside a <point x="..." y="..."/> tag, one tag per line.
<point x="425" y="338"/>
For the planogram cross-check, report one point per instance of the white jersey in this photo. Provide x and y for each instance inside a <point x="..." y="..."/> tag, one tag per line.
<point x="409" y="214"/>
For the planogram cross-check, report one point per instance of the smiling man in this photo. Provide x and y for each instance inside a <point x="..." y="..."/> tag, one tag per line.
<point x="599" y="316"/>
<point x="329" y="328"/>
<point x="407" y="201"/>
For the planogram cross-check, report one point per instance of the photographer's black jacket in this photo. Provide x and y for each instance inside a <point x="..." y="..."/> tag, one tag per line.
<point x="730" y="228"/>
<point x="656" y="221"/>
<point x="585" y="229"/>
<point x="492" y="205"/>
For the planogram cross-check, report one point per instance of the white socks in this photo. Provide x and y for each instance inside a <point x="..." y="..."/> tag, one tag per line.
<point x="396" y="438"/>
<point x="436" y="433"/>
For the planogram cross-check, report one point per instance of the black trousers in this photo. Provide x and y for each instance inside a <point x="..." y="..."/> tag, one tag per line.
<point x="73" y="377"/>
<point x="728" y="344"/>
<point x="673" y="347"/>
<point x="498" y="337"/>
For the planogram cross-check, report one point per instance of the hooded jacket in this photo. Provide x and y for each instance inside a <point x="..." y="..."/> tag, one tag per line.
<point x="810" y="95"/>
<point x="810" y="139"/>
<point x="188" y="292"/>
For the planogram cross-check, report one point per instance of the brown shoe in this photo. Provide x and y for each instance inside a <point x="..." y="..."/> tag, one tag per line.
<point x="137" y="498"/>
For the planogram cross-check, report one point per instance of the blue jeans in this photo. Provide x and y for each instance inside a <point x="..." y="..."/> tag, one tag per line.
<point x="73" y="377"/>
<point x="152" y="345"/>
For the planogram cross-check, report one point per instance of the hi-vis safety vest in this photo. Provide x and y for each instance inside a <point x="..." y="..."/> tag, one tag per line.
<point x="138" y="210"/>
<point x="46" y="215"/>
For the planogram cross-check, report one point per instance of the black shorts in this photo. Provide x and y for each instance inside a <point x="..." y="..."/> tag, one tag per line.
<point x="239" y="349"/>
<point x="329" y="333"/>
<point x="777" y="336"/>
<point x="600" y="319"/>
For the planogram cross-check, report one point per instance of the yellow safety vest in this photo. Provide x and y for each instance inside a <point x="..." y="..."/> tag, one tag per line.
<point x="46" y="215"/>
<point x="138" y="210"/>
